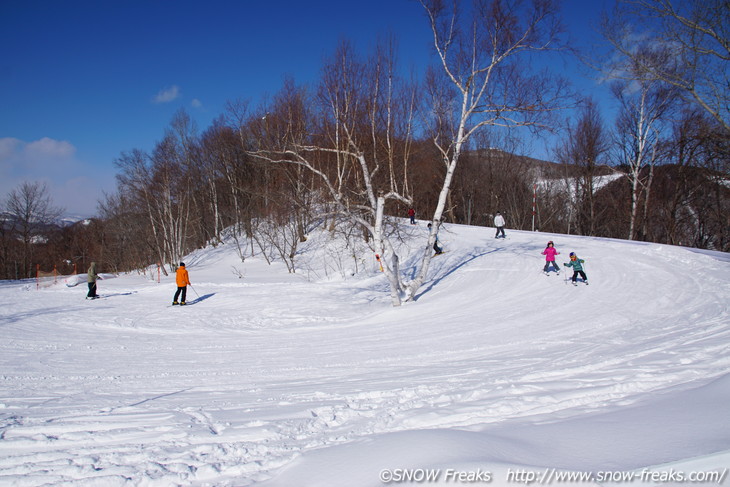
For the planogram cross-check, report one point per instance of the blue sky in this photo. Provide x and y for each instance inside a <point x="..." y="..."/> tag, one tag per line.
<point x="83" y="81"/>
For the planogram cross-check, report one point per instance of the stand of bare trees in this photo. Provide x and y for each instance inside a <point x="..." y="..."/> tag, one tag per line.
<point x="354" y="152"/>
<point x="355" y="138"/>
<point x="584" y="148"/>
<point x="29" y="213"/>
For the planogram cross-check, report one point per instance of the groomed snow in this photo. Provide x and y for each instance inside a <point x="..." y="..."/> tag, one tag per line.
<point x="498" y="374"/>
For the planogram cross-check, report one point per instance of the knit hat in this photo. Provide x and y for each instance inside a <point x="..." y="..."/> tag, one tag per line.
<point x="182" y="264"/>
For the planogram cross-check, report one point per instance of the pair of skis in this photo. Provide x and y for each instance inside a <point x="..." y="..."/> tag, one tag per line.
<point x="575" y="283"/>
<point x="187" y="303"/>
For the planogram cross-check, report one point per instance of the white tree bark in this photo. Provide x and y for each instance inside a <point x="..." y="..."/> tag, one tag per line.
<point x="478" y="57"/>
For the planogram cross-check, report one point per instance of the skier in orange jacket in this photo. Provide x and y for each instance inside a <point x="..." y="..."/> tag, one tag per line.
<point x="183" y="281"/>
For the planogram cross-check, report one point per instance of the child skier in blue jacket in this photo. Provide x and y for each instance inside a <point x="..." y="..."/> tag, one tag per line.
<point x="577" y="265"/>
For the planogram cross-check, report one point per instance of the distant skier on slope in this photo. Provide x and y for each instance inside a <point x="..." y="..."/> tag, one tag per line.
<point x="436" y="247"/>
<point x="412" y="215"/>
<point x="499" y="223"/>
<point x="91" y="278"/>
<point x="550" y="252"/>
<point x="183" y="281"/>
<point x="577" y="265"/>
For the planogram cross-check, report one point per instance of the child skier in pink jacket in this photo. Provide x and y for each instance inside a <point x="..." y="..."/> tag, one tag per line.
<point x="550" y="252"/>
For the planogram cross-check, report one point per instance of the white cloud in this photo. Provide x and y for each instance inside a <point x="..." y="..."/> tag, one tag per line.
<point x="19" y="157"/>
<point x="49" y="149"/>
<point x="167" y="95"/>
<point x="196" y="103"/>
<point x="48" y="161"/>
<point x="8" y="147"/>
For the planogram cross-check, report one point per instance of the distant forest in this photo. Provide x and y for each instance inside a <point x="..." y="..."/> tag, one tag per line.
<point x="365" y="144"/>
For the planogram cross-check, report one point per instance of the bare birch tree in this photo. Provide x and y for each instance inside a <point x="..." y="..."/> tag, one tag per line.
<point x="485" y="79"/>
<point x="691" y="46"/>
<point x="160" y="185"/>
<point x="135" y="182"/>
<point x="358" y="147"/>
<point x="644" y="104"/>
<point x="170" y="202"/>
<point x="585" y="147"/>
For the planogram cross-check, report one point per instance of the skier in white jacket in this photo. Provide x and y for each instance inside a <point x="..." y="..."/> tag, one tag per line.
<point x="499" y="223"/>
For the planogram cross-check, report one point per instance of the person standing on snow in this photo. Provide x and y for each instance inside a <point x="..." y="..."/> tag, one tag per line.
<point x="91" y="278"/>
<point x="436" y="247"/>
<point x="499" y="223"/>
<point x="550" y="252"/>
<point x="183" y="281"/>
<point x="577" y="265"/>
<point x="412" y="216"/>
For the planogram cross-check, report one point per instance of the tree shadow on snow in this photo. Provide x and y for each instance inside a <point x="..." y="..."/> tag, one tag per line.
<point x="435" y="281"/>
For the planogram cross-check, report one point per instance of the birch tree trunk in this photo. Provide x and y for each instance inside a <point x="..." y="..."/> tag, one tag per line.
<point x="638" y="128"/>
<point x="364" y="135"/>
<point x="482" y="57"/>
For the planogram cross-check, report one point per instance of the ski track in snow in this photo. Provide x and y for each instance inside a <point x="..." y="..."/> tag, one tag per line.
<point x="130" y="391"/>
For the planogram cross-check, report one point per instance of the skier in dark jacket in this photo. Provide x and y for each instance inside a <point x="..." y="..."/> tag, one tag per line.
<point x="436" y="247"/>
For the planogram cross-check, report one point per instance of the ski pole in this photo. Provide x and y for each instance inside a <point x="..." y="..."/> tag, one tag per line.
<point x="196" y="292"/>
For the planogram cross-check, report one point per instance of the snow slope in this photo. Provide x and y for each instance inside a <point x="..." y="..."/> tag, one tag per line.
<point x="497" y="373"/>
